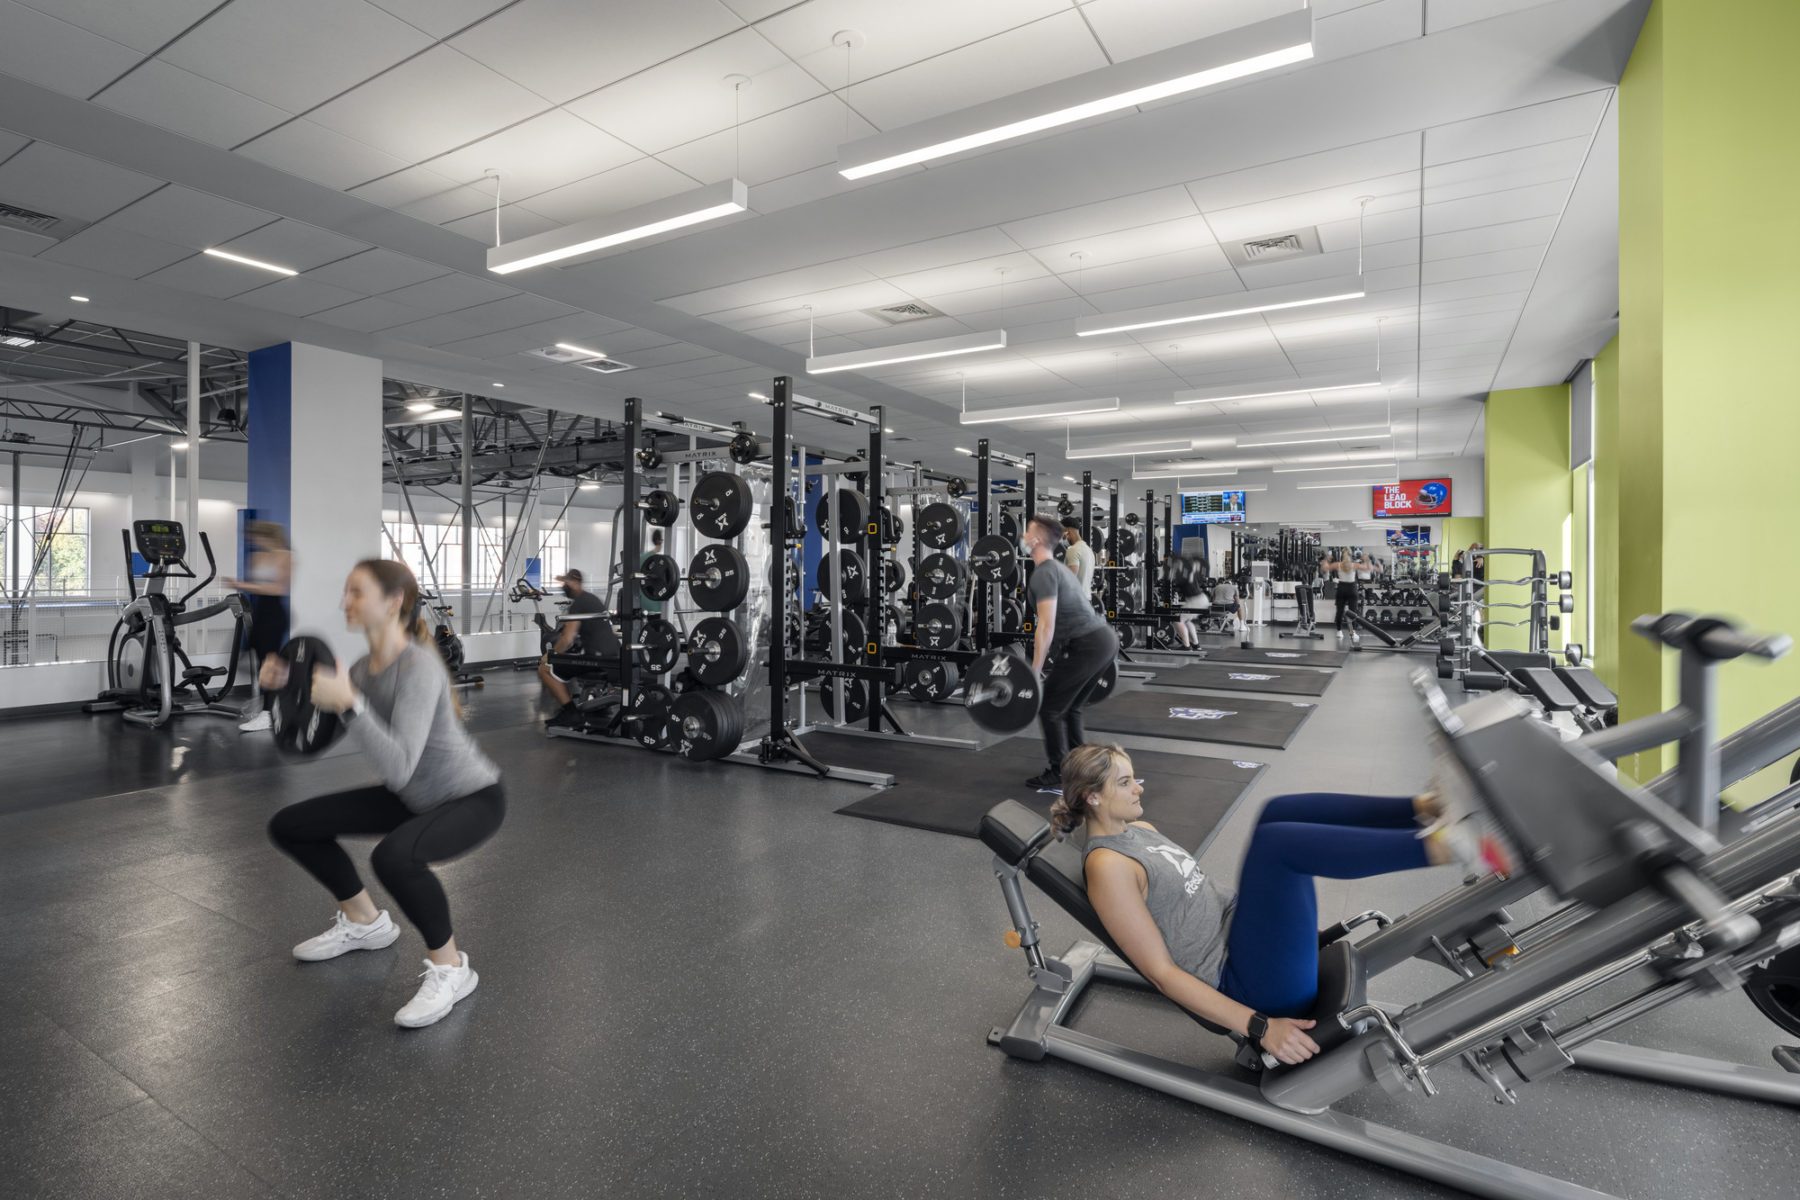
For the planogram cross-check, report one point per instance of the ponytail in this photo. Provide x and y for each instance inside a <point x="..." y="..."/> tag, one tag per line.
<point x="1085" y="770"/>
<point x="396" y="579"/>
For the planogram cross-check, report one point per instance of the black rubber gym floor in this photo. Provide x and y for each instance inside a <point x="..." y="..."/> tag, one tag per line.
<point x="947" y="790"/>
<point x="1185" y="717"/>
<point x="696" y="981"/>
<point x="1249" y="677"/>
<point x="1276" y="656"/>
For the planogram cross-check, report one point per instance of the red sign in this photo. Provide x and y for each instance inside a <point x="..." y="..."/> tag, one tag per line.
<point x="1412" y="498"/>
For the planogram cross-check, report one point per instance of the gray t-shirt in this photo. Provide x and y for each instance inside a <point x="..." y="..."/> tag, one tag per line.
<point x="1193" y="915"/>
<point x="1075" y="614"/>
<point x="412" y="733"/>
<point x="1080" y="559"/>
<point x="1225" y="594"/>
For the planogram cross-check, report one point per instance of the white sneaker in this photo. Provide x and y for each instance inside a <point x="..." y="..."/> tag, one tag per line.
<point x="256" y="724"/>
<point x="346" y="935"/>
<point x="442" y="988"/>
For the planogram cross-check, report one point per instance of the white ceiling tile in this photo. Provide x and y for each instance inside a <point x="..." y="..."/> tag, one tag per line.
<point x="1378" y="159"/>
<point x="53" y="180"/>
<point x="1044" y="51"/>
<point x="1107" y="216"/>
<point x="1340" y="202"/>
<point x="322" y="155"/>
<point x="784" y="285"/>
<point x="511" y="312"/>
<point x="1129" y="28"/>
<point x="613" y="191"/>
<point x="896" y="34"/>
<point x="1564" y="155"/>
<point x="1517" y="204"/>
<point x="190" y="105"/>
<point x="298" y="297"/>
<point x="1366" y="27"/>
<point x="295" y="55"/>
<point x="1462" y="189"/>
<point x="43" y="50"/>
<point x="962" y="277"/>
<point x="295" y="245"/>
<point x="938" y="252"/>
<point x="115" y="251"/>
<point x="423" y="193"/>
<point x="1127" y="245"/>
<point x="1551" y="121"/>
<point x="545" y="152"/>
<point x="435" y="331"/>
<point x="1474" y="266"/>
<point x="783" y="143"/>
<point x="504" y="344"/>
<point x="1184" y="275"/>
<point x="143" y="27"/>
<point x="516" y="221"/>
<point x="375" y="271"/>
<point x="562" y="49"/>
<point x="188" y="218"/>
<point x="428" y="105"/>
<point x="1486" y="285"/>
<point x="448" y="293"/>
<point x="870" y="293"/>
<point x="440" y="18"/>
<point x="686" y="97"/>
<point x="11" y="143"/>
<point x="367" y="316"/>
<point x="206" y="276"/>
<point x="1448" y="14"/>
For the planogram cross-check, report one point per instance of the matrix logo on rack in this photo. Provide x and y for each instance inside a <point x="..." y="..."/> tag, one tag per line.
<point x="1412" y="498"/>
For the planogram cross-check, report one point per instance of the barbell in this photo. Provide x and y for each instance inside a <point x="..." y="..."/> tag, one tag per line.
<point x="1002" y="693"/>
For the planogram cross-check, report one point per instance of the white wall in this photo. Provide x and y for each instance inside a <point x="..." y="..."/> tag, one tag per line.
<point x="1285" y="503"/>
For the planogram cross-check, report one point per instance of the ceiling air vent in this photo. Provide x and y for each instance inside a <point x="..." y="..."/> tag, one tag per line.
<point x="1275" y="247"/>
<point x="601" y="365"/>
<point x="899" y="314"/>
<point x="40" y="225"/>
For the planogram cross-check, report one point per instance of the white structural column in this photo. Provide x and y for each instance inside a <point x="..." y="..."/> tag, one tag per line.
<point x="193" y="441"/>
<point x="315" y="466"/>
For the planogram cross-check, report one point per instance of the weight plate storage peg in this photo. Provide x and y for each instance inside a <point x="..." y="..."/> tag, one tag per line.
<point x="662" y="577"/>
<point x="647" y="716"/>
<point x="993" y="559"/>
<point x="299" y="727"/>
<point x="940" y="526"/>
<point x="938" y="576"/>
<point x="853" y="515"/>
<point x="1002" y="693"/>
<point x="718" y="577"/>
<point x="705" y="725"/>
<point x="939" y="627"/>
<point x="659" y="645"/>
<point x="721" y="505"/>
<point x="717" y="651"/>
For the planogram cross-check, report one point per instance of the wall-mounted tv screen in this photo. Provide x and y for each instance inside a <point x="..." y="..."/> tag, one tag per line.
<point x="1212" y="508"/>
<point x="1412" y="498"/>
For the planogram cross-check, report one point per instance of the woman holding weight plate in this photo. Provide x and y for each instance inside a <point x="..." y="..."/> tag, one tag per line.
<point x="440" y="796"/>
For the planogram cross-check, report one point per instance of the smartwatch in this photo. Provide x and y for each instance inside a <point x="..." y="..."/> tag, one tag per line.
<point x="1258" y="1026"/>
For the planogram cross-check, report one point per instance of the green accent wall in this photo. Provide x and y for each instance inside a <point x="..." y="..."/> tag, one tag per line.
<point x="1574" y="624"/>
<point x="1709" y="484"/>
<point x="1459" y="533"/>
<point x="1527" y="492"/>
<point x="1605" y="650"/>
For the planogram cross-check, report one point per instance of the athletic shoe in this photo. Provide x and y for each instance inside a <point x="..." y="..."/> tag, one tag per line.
<point x="442" y="988"/>
<point x="568" y="716"/>
<point x="1049" y="779"/>
<point x="256" y="724"/>
<point x="346" y="935"/>
<point x="1470" y="846"/>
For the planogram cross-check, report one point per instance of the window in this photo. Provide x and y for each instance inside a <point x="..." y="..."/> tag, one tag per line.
<point x="442" y="542"/>
<point x="63" y="569"/>
<point x="553" y="555"/>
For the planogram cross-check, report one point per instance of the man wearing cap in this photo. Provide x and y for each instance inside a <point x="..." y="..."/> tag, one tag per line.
<point x="584" y="607"/>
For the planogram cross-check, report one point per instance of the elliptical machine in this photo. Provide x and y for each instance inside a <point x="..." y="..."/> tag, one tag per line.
<point x="149" y="677"/>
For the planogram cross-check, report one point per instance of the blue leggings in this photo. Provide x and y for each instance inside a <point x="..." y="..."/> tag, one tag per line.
<point x="1272" y="954"/>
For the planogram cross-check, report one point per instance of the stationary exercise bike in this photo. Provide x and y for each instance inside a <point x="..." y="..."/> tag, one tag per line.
<point x="440" y="617"/>
<point x="149" y="677"/>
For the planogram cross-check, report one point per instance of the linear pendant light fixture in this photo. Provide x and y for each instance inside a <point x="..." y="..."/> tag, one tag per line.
<point x="1041" y="410"/>
<point x="709" y="203"/>
<point x="881" y="356"/>
<point x="1215" y="397"/>
<point x="1232" y="304"/>
<point x="248" y="262"/>
<point x="1249" y="50"/>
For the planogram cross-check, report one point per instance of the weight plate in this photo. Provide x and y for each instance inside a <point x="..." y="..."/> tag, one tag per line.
<point x="646" y="718"/>
<point x="1012" y="610"/>
<point x="851" y="573"/>
<point x="721" y="505"/>
<point x="856" y="636"/>
<point x="743" y="449"/>
<point x="938" y="577"/>
<point x="660" y="645"/>
<point x="1002" y="693"/>
<point x="718" y="577"/>
<point x="856" y="699"/>
<point x="941" y="526"/>
<point x="1009" y="527"/>
<point x="717" y="651"/>
<point x="893" y="574"/>
<point x="1106" y="684"/>
<point x="853" y="515"/>
<point x="957" y="486"/>
<point x="993" y="558"/>
<point x="706" y="725"/>
<point x="299" y="727"/>
<point x="931" y="680"/>
<point x="662" y="577"/>
<point x="939" y="627"/>
<point x="1127" y="636"/>
<point x="660" y="507"/>
<point x="1059" y="552"/>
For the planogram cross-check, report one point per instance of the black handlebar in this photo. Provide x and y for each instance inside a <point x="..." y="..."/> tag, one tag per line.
<point x="1711" y="637"/>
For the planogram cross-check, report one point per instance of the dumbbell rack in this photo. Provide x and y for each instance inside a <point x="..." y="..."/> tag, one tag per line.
<point x="1462" y="646"/>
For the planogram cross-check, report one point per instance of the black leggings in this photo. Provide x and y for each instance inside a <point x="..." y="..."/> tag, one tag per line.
<point x="309" y="831"/>
<point x="1347" y="602"/>
<point x="1068" y="686"/>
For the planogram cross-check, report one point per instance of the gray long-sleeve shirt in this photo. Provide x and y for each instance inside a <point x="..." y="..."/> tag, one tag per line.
<point x="412" y="734"/>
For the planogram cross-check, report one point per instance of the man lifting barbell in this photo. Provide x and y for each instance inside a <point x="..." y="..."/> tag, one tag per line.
<point x="1083" y="644"/>
<point x="584" y="606"/>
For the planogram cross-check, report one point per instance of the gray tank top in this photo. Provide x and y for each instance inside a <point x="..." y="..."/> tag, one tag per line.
<point x="1193" y="915"/>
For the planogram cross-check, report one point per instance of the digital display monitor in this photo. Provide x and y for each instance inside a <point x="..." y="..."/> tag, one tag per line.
<point x="1412" y="498"/>
<point x="1212" y="508"/>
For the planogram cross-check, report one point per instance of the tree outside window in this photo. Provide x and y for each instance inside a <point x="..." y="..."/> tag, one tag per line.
<point x="63" y="570"/>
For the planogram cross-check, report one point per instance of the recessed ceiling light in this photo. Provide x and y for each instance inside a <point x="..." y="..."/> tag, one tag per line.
<point x="79" y="299"/>
<point x="17" y="341"/>
<point x="497" y="383"/>
<point x="249" y="262"/>
<point x="572" y="348"/>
